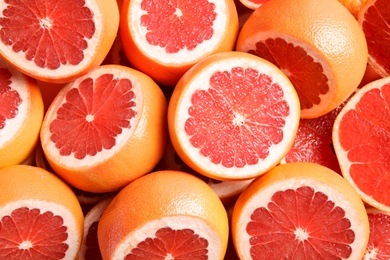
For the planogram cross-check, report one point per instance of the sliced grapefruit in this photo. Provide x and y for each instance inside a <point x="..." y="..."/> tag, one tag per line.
<point x="105" y="129"/>
<point x="165" y="38"/>
<point x="300" y="210"/>
<point x="233" y="116"/>
<point x="378" y="244"/>
<point x="21" y="115"/>
<point x="375" y="20"/>
<point x="354" y="6"/>
<point x="40" y="217"/>
<point x="361" y="141"/>
<point x="164" y="215"/>
<point x="318" y="44"/>
<point x="57" y="41"/>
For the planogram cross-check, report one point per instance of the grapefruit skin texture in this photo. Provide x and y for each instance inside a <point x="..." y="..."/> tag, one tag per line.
<point x="22" y="182"/>
<point x="169" y="74"/>
<point x="138" y="156"/>
<point x="109" y="12"/>
<point x="18" y="149"/>
<point x="325" y="25"/>
<point x="301" y="172"/>
<point x="157" y="195"/>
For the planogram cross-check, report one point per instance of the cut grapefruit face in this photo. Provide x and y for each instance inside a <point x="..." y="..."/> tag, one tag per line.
<point x="164" y="39"/>
<point x="51" y="41"/>
<point x="40" y="217"/>
<point x="105" y="129"/>
<point x="21" y="115"/>
<point x="378" y="245"/>
<point x="164" y="215"/>
<point x="323" y="52"/>
<point x="233" y="116"/>
<point x="300" y="210"/>
<point x="361" y="141"/>
<point x="375" y="21"/>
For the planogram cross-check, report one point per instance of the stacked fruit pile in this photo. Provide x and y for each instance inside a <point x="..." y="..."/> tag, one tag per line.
<point x="206" y="129"/>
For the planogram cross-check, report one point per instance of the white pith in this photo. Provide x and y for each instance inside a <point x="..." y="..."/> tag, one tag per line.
<point x="226" y="189"/>
<point x="250" y="44"/>
<point x="201" y="82"/>
<point x="183" y="56"/>
<point x="199" y="226"/>
<point x="13" y="125"/>
<point x="58" y="210"/>
<point x="64" y="70"/>
<point x="262" y="198"/>
<point x="342" y="155"/>
<point x="121" y="139"/>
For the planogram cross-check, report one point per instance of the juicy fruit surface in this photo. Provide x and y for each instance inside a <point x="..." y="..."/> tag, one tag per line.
<point x="9" y="97"/>
<point x="378" y="244"/>
<point x="232" y="116"/>
<point x="97" y="111"/>
<point x="306" y="207"/>
<point x="318" y="228"/>
<point x="229" y="104"/>
<point x="41" y="234"/>
<point x="24" y="28"/>
<point x="375" y="21"/>
<point x="165" y="23"/>
<point x="362" y="131"/>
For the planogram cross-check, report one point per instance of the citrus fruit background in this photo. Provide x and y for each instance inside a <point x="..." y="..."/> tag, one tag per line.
<point x="208" y="129"/>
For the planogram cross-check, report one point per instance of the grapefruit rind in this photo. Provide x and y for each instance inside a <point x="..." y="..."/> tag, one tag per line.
<point x="259" y="193"/>
<point x="342" y="155"/>
<point x="179" y="114"/>
<point x="179" y="222"/>
<point x="72" y="240"/>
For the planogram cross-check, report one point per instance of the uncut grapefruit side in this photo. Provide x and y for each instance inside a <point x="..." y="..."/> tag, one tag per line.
<point x="375" y="21"/>
<point x="323" y="51"/>
<point x="233" y="116"/>
<point x="361" y="140"/>
<point x="164" y="39"/>
<point x="300" y="210"/>
<point x="40" y="217"/>
<point x="21" y="115"/>
<point x="57" y="41"/>
<point x="164" y="215"/>
<point x="105" y="129"/>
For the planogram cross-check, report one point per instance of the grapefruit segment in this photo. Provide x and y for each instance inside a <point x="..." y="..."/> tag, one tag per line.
<point x="375" y="21"/>
<point x="233" y="116"/>
<point x="105" y="129"/>
<point x="51" y="42"/>
<point x="40" y="216"/>
<point x="360" y="138"/>
<point x="300" y="210"/>
<point x="378" y="244"/>
<point x="21" y="115"/>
